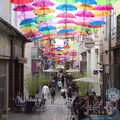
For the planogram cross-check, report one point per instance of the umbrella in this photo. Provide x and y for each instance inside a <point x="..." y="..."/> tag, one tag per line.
<point x="84" y="13"/>
<point x="32" y="35"/>
<point x="97" y="23"/>
<point x="46" y="23"/>
<point x="43" y="3"/>
<point x="65" y="31"/>
<point x="21" y="1"/>
<point x="63" y="1"/>
<point x="48" y="32"/>
<point x="104" y="7"/>
<point x="47" y="28"/>
<point x="27" y="15"/>
<point x="66" y="26"/>
<point x="43" y="11"/>
<point x="27" y="21"/>
<point x="44" y="18"/>
<point x="101" y="2"/>
<point x="65" y="21"/>
<point x="85" y="7"/>
<point x="66" y="7"/>
<point x="23" y="8"/>
<point x="87" y="1"/>
<point x="27" y="30"/>
<point x="102" y="13"/>
<point x="82" y="24"/>
<point x="66" y="15"/>
<point x="29" y="25"/>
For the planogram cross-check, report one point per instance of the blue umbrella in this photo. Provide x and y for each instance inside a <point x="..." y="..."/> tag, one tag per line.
<point x="87" y="1"/>
<point x="37" y="38"/>
<point x="65" y="31"/>
<point x="27" y="21"/>
<point x="97" y="23"/>
<point x="47" y="28"/>
<point x="58" y="48"/>
<point x="66" y="7"/>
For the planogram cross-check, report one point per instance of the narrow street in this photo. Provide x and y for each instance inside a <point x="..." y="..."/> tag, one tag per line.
<point x="57" y="111"/>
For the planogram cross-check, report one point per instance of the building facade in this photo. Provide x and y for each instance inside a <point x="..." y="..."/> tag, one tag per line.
<point x="11" y="64"/>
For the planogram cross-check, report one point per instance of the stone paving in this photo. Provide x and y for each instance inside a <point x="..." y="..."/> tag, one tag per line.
<point x="56" y="111"/>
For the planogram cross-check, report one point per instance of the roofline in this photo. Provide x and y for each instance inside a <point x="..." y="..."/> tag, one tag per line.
<point x="9" y="26"/>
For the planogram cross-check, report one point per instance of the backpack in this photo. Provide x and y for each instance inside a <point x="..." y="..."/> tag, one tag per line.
<point x="52" y="91"/>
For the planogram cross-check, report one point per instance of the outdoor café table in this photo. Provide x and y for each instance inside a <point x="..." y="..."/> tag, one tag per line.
<point x="30" y="105"/>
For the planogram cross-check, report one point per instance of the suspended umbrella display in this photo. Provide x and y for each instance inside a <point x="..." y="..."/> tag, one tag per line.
<point x="66" y="26"/>
<point x="47" y="28"/>
<point x="97" y="23"/>
<point x="66" y="21"/>
<point x="21" y="1"/>
<point x="85" y="7"/>
<point x="64" y="1"/>
<point x="102" y="13"/>
<point x="65" y="31"/>
<point x="104" y="7"/>
<point x="24" y="8"/>
<point x="27" y="21"/>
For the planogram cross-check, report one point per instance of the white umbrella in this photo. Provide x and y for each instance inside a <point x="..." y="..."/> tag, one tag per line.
<point x="91" y="80"/>
<point x="72" y="70"/>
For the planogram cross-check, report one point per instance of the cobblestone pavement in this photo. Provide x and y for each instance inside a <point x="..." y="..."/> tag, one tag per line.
<point x="56" y="111"/>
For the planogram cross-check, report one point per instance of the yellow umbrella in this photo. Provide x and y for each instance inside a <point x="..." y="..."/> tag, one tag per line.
<point x="44" y="42"/>
<point x="27" y="30"/>
<point x="117" y="7"/>
<point x="66" y="26"/>
<point x="98" y="13"/>
<point x="85" y="7"/>
<point x="43" y="11"/>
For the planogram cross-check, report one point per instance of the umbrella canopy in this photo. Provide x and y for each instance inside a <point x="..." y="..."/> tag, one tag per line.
<point x="65" y="31"/>
<point x="101" y="2"/>
<point x="23" y="8"/>
<point x="27" y="30"/>
<point x="63" y="1"/>
<point x="46" y="23"/>
<point x="65" y="15"/>
<point x="84" y="13"/>
<point x="27" y="15"/>
<point x="85" y="7"/>
<point x="97" y="23"/>
<point x="48" y="32"/>
<point x="44" y="18"/>
<point x="43" y="3"/>
<point x="47" y="28"/>
<point x="21" y="1"/>
<point x="43" y="11"/>
<point x="83" y="24"/>
<point x="87" y="1"/>
<point x="29" y="25"/>
<point x="104" y="7"/>
<point x="27" y="21"/>
<point x="102" y="13"/>
<point x="32" y="35"/>
<point x="66" y="26"/>
<point x="65" y="21"/>
<point x="66" y="7"/>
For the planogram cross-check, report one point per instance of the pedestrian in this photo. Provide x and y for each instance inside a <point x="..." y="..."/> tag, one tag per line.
<point x="45" y="93"/>
<point x="52" y="91"/>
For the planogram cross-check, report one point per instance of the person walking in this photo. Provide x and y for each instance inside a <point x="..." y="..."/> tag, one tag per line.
<point x="52" y="91"/>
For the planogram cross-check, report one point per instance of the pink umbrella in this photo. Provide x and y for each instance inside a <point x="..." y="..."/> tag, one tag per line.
<point x="23" y="8"/>
<point x="64" y="21"/>
<point x="84" y="13"/>
<point x="43" y="3"/>
<point x="27" y="15"/>
<point x="46" y="23"/>
<point x="66" y="15"/>
<point x="104" y="7"/>
<point x="32" y="35"/>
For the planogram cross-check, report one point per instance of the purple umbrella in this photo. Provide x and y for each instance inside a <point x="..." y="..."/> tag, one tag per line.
<point x="64" y="21"/>
<point x="84" y="13"/>
<point x="32" y="35"/>
<point x="24" y="8"/>
<point x="43" y="3"/>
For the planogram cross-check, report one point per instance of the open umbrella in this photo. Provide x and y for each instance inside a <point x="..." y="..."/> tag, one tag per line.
<point x="26" y="15"/>
<point x="85" y="7"/>
<point x="66" y="15"/>
<point x="87" y="1"/>
<point x="104" y="7"/>
<point x="47" y="28"/>
<point x="65" y="31"/>
<point x="97" y="23"/>
<point x="21" y="1"/>
<point x="66" y="7"/>
<point x="102" y="13"/>
<point x="27" y="21"/>
<point x="84" y="13"/>
<point x="66" y="26"/>
<point x="23" y="8"/>
<point x="64" y="1"/>
<point x="43" y="3"/>
<point x="43" y="11"/>
<point x="101" y="2"/>
<point x="46" y="23"/>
